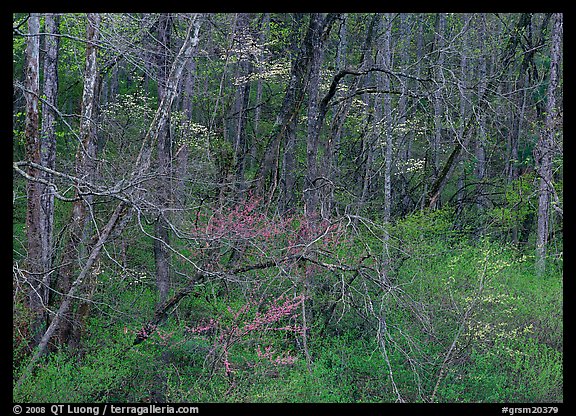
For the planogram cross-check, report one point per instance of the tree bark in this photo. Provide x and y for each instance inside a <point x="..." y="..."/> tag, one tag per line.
<point x="85" y="169"/>
<point x="287" y="200"/>
<point x="162" y="239"/>
<point x="480" y="152"/>
<point x="48" y="143"/>
<point x="316" y="181"/>
<point x="385" y="59"/>
<point x="463" y="86"/>
<point x="34" y="271"/>
<point x="263" y="36"/>
<point x="313" y="181"/>
<point x="291" y="104"/>
<point x="438" y="110"/>
<point x="545" y="149"/>
<point x="240" y="117"/>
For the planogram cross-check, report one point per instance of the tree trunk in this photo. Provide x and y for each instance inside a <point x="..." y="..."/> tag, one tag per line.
<point x="288" y="182"/>
<point x="239" y="109"/>
<point x="384" y="59"/>
<point x="287" y="200"/>
<point x="438" y="110"/>
<point x="267" y="176"/>
<point x="313" y="181"/>
<point x="316" y="180"/>
<point x="85" y="169"/>
<point x="263" y="36"/>
<point x="183" y="152"/>
<point x="463" y="86"/>
<point x="48" y="145"/>
<point x="545" y="149"/>
<point x="480" y="152"/>
<point x="35" y="258"/>
<point x="404" y="139"/>
<point x="161" y="240"/>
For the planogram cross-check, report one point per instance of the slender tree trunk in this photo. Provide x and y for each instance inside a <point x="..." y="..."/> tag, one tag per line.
<point x="289" y="162"/>
<point x="161" y="253"/>
<point x="288" y="182"/>
<point x="183" y="152"/>
<point x="240" y="116"/>
<point x="313" y="181"/>
<point x="545" y="147"/>
<point x="367" y="149"/>
<point x="438" y="110"/>
<point x="384" y="58"/>
<point x="405" y="138"/>
<point x="463" y="86"/>
<point x="263" y="36"/>
<point x="480" y="151"/>
<point x="35" y="258"/>
<point x="513" y="161"/>
<point x="48" y="145"/>
<point x="335" y="134"/>
<point x="85" y="169"/>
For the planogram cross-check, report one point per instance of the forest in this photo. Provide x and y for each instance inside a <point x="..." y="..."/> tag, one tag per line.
<point x="287" y="208"/>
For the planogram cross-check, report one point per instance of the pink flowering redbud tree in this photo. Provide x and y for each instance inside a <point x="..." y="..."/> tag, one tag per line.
<point x="249" y="323"/>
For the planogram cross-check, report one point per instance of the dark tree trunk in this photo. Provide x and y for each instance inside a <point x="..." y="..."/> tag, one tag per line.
<point x="268" y="172"/>
<point x="183" y="152"/>
<point x="463" y="85"/>
<point x="480" y="151"/>
<point x="161" y="253"/>
<point x="48" y="145"/>
<point x="317" y="181"/>
<point x="438" y="100"/>
<point x="240" y="114"/>
<point x="288" y="174"/>
<point x="263" y="36"/>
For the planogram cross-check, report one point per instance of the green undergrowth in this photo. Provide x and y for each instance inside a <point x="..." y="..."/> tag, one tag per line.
<point x="462" y="320"/>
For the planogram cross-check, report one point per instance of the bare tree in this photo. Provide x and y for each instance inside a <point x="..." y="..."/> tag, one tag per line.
<point x="116" y="222"/>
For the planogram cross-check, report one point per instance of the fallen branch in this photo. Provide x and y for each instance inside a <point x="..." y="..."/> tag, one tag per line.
<point x="163" y="310"/>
